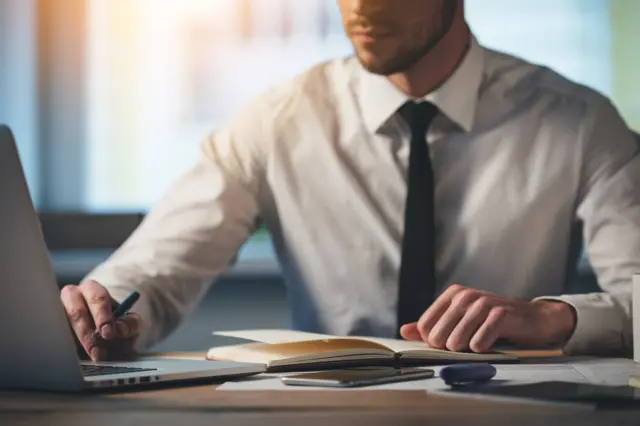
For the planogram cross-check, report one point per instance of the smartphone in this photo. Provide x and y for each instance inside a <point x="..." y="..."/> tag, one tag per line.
<point x="356" y="377"/>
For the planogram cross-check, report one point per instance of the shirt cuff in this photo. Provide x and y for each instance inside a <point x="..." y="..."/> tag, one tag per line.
<point x="600" y="325"/>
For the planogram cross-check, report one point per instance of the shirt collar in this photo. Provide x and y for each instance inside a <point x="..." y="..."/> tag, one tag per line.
<point x="456" y="98"/>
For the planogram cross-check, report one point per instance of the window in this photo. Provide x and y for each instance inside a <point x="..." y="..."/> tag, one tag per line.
<point x="571" y="36"/>
<point x="110" y="100"/>
<point x="163" y="74"/>
<point x="18" y="81"/>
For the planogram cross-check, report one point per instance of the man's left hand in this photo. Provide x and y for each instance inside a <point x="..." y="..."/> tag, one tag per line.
<point x="463" y="318"/>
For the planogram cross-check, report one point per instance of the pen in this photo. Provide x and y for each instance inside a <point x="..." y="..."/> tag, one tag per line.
<point x="122" y="308"/>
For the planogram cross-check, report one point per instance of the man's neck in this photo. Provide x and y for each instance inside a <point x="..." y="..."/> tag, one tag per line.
<point x="438" y="65"/>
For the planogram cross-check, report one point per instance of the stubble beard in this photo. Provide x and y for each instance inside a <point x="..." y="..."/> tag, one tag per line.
<point x="407" y="56"/>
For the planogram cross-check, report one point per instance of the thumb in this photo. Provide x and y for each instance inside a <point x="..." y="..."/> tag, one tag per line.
<point x="410" y="331"/>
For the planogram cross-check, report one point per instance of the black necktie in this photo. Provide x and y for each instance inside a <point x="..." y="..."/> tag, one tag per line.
<point x="417" y="269"/>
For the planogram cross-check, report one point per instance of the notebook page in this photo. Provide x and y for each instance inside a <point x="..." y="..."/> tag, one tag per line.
<point x="289" y="336"/>
<point x="274" y="335"/>
<point x="398" y="345"/>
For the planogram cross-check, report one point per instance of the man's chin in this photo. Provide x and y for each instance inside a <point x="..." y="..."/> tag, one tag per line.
<point x="386" y="67"/>
<point x="376" y="66"/>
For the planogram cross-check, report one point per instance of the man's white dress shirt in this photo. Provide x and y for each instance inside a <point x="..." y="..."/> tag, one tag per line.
<point x="522" y="158"/>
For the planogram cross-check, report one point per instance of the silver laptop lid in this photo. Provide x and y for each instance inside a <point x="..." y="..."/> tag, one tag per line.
<point x="37" y="349"/>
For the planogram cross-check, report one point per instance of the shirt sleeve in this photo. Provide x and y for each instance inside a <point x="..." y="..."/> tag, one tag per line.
<point x="193" y="233"/>
<point x="609" y="208"/>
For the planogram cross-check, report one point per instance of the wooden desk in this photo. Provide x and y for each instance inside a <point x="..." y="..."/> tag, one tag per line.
<point x="203" y="405"/>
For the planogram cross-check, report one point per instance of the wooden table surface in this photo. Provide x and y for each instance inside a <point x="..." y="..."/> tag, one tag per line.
<point x="203" y="405"/>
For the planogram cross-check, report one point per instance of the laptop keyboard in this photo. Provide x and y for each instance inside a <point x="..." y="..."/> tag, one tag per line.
<point x="89" y="370"/>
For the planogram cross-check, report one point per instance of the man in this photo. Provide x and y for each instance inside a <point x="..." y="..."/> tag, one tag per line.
<point x="424" y="167"/>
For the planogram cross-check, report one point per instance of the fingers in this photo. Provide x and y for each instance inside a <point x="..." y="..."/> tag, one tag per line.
<point x="431" y="317"/>
<point x="445" y="326"/>
<point x="128" y="326"/>
<point x="463" y="318"/>
<point x="100" y="307"/>
<point x="89" y="309"/>
<point x="122" y="348"/>
<point x="410" y="331"/>
<point x="80" y="319"/>
<point x="477" y="313"/>
<point x="437" y="324"/>
<point x="491" y="330"/>
<point x="99" y="303"/>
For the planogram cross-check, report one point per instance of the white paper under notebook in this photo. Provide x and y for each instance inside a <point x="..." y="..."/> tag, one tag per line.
<point x="507" y="375"/>
<point x="287" y="350"/>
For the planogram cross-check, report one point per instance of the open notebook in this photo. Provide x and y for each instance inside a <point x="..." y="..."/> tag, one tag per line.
<point x="287" y="350"/>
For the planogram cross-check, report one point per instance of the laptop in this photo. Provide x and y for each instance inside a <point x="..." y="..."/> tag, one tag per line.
<point x="37" y="347"/>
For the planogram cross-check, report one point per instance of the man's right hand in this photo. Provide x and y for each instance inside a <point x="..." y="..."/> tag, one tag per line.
<point x="88" y="307"/>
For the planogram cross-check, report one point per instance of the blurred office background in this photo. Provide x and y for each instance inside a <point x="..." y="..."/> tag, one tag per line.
<point x="110" y="99"/>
